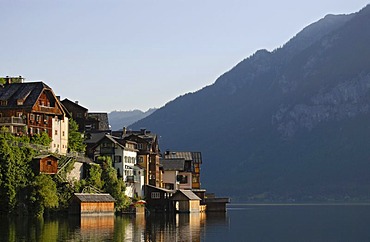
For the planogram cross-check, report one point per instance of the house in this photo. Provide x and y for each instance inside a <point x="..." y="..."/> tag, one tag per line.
<point x="124" y="159"/>
<point x="148" y="153"/>
<point x="32" y="108"/>
<point x="87" y="122"/>
<point x="97" y="122"/>
<point x="45" y="164"/>
<point x="78" y="113"/>
<point x="173" y="172"/>
<point x="158" y="199"/>
<point x="185" y="201"/>
<point x="190" y="177"/>
<point x="86" y="203"/>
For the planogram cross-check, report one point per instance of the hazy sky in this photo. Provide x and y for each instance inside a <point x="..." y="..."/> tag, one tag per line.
<point x="138" y="54"/>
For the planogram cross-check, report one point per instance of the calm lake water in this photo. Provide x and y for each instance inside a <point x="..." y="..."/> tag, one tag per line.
<point x="240" y="223"/>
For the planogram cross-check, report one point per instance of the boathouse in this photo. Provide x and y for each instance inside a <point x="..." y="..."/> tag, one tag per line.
<point x="87" y="203"/>
<point x="185" y="201"/>
<point x="158" y="199"/>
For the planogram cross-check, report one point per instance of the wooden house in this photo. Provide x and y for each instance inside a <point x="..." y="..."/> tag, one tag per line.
<point x="158" y="199"/>
<point x="86" y="203"/>
<point x="32" y="108"/>
<point x="46" y="164"/>
<point x="185" y="201"/>
<point x="78" y="113"/>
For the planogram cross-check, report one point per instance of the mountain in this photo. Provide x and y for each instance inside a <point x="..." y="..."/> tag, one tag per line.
<point x="120" y="119"/>
<point x="288" y="125"/>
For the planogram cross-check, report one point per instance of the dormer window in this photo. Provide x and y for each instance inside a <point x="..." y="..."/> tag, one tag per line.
<point x="19" y="102"/>
<point x="3" y="103"/>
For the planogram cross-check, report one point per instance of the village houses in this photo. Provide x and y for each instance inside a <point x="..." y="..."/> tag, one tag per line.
<point x="32" y="108"/>
<point x="168" y="181"/>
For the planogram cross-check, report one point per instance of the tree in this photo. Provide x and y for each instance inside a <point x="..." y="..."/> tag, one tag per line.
<point x="75" y="138"/>
<point x="114" y="186"/>
<point x="44" y="194"/>
<point x="41" y="139"/>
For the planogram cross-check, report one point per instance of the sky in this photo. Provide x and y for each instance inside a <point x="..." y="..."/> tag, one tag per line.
<point x="140" y="54"/>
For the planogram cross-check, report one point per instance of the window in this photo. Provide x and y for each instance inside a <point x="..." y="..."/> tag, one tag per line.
<point x="63" y="133"/>
<point x="56" y="132"/>
<point x="19" y="114"/>
<point x="117" y="158"/>
<point x="182" y="179"/>
<point x="32" y="117"/>
<point x="1" y="115"/>
<point x="38" y="118"/>
<point x="3" y="102"/>
<point x="48" y="162"/>
<point x="141" y="160"/>
<point x="19" y="102"/>
<point x="140" y="146"/>
<point x="155" y="195"/>
<point x="31" y="130"/>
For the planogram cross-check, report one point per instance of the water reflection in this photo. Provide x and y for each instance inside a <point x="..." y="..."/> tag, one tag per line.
<point x="141" y="227"/>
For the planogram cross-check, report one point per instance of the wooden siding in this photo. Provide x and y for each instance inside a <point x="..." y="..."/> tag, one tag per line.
<point x="97" y="207"/>
<point x="47" y="165"/>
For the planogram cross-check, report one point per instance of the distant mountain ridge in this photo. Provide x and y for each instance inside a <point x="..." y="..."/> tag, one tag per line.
<point x="287" y="125"/>
<point x="120" y="119"/>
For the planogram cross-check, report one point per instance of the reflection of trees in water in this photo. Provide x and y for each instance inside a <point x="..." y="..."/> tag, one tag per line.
<point x="141" y="227"/>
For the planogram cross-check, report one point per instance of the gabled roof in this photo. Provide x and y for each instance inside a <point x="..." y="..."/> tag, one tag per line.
<point x="188" y="194"/>
<point x="28" y="93"/>
<point x="69" y="102"/>
<point x="88" y="197"/>
<point x="160" y="189"/>
<point x="172" y="164"/>
<point x="115" y="140"/>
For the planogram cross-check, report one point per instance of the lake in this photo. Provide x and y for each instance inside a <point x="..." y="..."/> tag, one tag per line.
<point x="240" y="223"/>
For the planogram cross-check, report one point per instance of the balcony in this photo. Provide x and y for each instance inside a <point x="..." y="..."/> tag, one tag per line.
<point x="132" y="179"/>
<point x="12" y="121"/>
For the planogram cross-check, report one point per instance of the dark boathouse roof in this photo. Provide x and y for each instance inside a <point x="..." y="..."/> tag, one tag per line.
<point x="88" y="197"/>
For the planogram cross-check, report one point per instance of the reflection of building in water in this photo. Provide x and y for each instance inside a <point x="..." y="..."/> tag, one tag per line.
<point x="175" y="227"/>
<point x="96" y="226"/>
<point x="190" y="226"/>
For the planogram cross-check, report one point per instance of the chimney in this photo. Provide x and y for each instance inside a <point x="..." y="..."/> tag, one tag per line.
<point x="8" y="80"/>
<point x="124" y="132"/>
<point x="76" y="102"/>
<point x="143" y="131"/>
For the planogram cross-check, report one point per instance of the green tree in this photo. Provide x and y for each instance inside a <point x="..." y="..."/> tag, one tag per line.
<point x="94" y="178"/>
<point x="44" y="194"/>
<point x="75" y="138"/>
<point x="113" y="185"/>
<point x="41" y="139"/>
<point x="15" y="171"/>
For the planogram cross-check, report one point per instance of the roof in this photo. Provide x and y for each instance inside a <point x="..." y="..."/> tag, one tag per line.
<point x="160" y="189"/>
<point x="89" y="197"/>
<point x="173" y="164"/>
<point x="66" y="101"/>
<point x="102" y="118"/>
<point x="28" y="92"/>
<point x="196" y="157"/>
<point x="115" y="140"/>
<point x="44" y="156"/>
<point x="187" y="193"/>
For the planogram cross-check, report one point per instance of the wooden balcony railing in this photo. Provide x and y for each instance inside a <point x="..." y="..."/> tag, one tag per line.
<point x="12" y="120"/>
